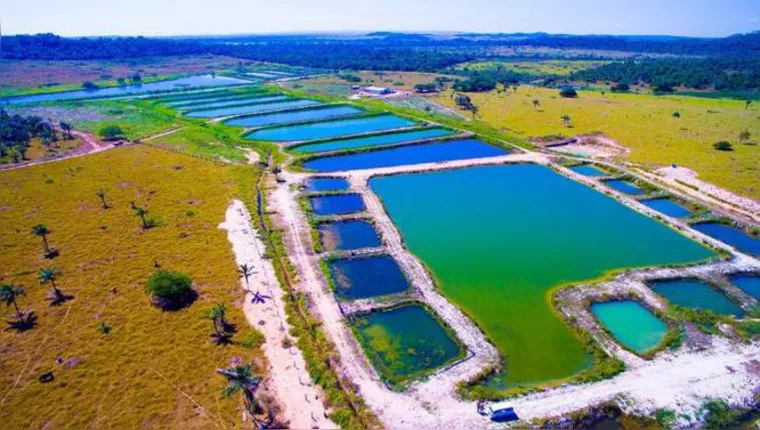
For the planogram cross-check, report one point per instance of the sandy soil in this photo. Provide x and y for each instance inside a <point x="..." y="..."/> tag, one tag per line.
<point x="301" y="399"/>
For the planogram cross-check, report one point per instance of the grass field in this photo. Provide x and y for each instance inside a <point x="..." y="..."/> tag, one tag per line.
<point x="38" y="152"/>
<point x="155" y="369"/>
<point x="642" y="122"/>
<point x="545" y="67"/>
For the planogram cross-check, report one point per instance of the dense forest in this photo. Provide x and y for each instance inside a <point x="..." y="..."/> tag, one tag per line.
<point x="719" y="73"/>
<point x="52" y="47"/>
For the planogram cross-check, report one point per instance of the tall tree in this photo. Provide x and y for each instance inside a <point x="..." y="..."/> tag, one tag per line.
<point x="49" y="275"/>
<point x="241" y="379"/>
<point x="8" y="294"/>
<point x="41" y="230"/>
<point x="245" y="272"/>
<point x="565" y="120"/>
<point x="66" y="128"/>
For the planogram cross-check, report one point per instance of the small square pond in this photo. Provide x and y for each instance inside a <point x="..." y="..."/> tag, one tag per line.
<point x="326" y="184"/>
<point x="631" y="324"/>
<point x="365" y="277"/>
<point x="695" y="294"/>
<point x="348" y="235"/>
<point x="588" y="170"/>
<point x="667" y="207"/>
<point x="406" y="342"/>
<point x="338" y="204"/>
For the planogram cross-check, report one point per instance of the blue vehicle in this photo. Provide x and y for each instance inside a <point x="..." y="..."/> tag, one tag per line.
<point x="505" y="415"/>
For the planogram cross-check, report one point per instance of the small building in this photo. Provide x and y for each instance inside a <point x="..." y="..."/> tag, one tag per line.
<point x="377" y="90"/>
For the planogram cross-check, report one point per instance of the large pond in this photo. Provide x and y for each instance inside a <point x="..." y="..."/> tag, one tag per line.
<point x="251" y="108"/>
<point x="369" y="141"/>
<point x="294" y="116"/>
<point x="213" y="104"/>
<point x="732" y="236"/>
<point x="364" y="277"/>
<point x="336" y="204"/>
<point x="405" y="342"/>
<point x="667" y="207"/>
<point x="750" y="284"/>
<point x="125" y="90"/>
<point x="412" y="154"/>
<point x="692" y="293"/>
<point x="348" y="235"/>
<point x="631" y="324"/>
<point x="330" y="129"/>
<point x="326" y="184"/>
<point x="499" y="239"/>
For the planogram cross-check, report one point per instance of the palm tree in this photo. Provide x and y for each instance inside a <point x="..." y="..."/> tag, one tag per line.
<point x="142" y="213"/>
<point x="566" y="120"/>
<point x="66" y="128"/>
<point x="218" y="315"/>
<point x="246" y="271"/>
<point x="747" y="103"/>
<point x="744" y="136"/>
<point x="49" y="275"/>
<point x="42" y="231"/>
<point x="241" y="378"/>
<point x="536" y="104"/>
<point x="102" y="194"/>
<point x="8" y="294"/>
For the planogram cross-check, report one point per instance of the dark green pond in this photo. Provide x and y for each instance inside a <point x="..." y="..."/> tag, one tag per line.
<point x="499" y="239"/>
<point x="631" y="324"/>
<point x="405" y="342"/>
<point x="692" y="293"/>
<point x="364" y="277"/>
<point x="348" y="235"/>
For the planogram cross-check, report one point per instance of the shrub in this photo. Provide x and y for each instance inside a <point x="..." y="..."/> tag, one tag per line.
<point x="111" y="132"/>
<point x="252" y="339"/>
<point x="665" y="417"/>
<point x="622" y="87"/>
<point x="170" y="290"/>
<point x="350" y="77"/>
<point x="718" y="414"/>
<point x="723" y="146"/>
<point x="87" y="85"/>
<point x="568" y="93"/>
<point x="663" y="88"/>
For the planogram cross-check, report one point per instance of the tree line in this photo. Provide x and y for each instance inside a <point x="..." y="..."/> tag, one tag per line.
<point x="17" y="131"/>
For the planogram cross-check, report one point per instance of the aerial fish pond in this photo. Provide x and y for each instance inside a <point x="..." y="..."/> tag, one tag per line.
<point x="499" y="253"/>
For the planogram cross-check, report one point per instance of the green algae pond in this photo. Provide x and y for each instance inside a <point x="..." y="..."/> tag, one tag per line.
<point x="631" y="324"/>
<point x="500" y="239"/>
<point x="406" y="342"/>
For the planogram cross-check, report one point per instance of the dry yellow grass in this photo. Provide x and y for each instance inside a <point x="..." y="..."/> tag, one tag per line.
<point x="645" y="124"/>
<point x="155" y="369"/>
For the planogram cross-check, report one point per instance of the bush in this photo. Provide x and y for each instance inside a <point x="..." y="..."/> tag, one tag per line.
<point x="111" y="132"/>
<point x="170" y="290"/>
<point x="620" y="88"/>
<point x="718" y="414"/>
<point x="568" y="93"/>
<point x="87" y="85"/>
<point x="663" y="88"/>
<point x="723" y="146"/>
<point x="350" y="77"/>
<point x="252" y="339"/>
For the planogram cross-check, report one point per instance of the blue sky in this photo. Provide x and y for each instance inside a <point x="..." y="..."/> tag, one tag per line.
<point x="178" y="17"/>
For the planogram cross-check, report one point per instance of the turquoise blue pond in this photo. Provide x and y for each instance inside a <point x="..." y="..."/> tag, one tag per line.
<point x="347" y="235"/>
<point x="588" y="170"/>
<point x="404" y="155"/>
<point x="234" y="102"/>
<point x="252" y="108"/>
<point x="750" y="284"/>
<point x="491" y="238"/>
<point x="330" y="129"/>
<point x="294" y="116"/>
<point x="732" y="236"/>
<point x="383" y="139"/>
<point x="182" y="101"/>
<point x="326" y="184"/>
<point x="691" y="293"/>
<point x="125" y="90"/>
<point x="631" y="324"/>
<point x="624" y="187"/>
<point x="336" y="204"/>
<point x="667" y="207"/>
<point x="364" y="277"/>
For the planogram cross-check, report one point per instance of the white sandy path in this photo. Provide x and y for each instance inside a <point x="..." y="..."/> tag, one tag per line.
<point x="300" y="398"/>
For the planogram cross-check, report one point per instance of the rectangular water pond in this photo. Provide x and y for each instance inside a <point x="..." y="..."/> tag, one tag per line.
<point x="326" y="184"/>
<point x="692" y="293"/>
<point x="730" y="235"/>
<point x="405" y="343"/>
<point x="181" y="102"/>
<point x="132" y="89"/>
<point x="667" y="207"/>
<point x="252" y="108"/>
<point x="348" y="235"/>
<point x="588" y="170"/>
<point x="330" y="129"/>
<point x="750" y="284"/>
<point x="369" y="141"/>
<point x="240" y="101"/>
<point x="483" y="233"/>
<point x="365" y="277"/>
<point x="631" y="324"/>
<point x="294" y="116"/>
<point x="336" y="204"/>
<point x="624" y="187"/>
<point x="404" y="155"/>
